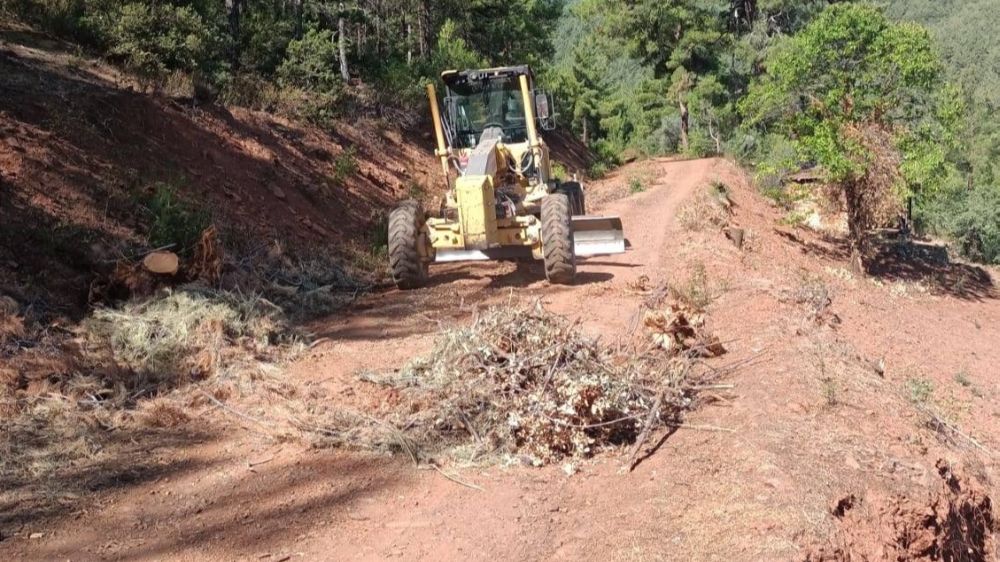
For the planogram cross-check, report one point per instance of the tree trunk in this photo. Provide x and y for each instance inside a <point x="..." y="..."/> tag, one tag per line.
<point x="233" y="15"/>
<point x="409" y="43"/>
<point x="715" y="137"/>
<point x="744" y="11"/>
<point x="684" y="124"/>
<point x="298" y="6"/>
<point x="586" y="140"/>
<point x="342" y="44"/>
<point x="856" y="226"/>
<point x="424" y="28"/>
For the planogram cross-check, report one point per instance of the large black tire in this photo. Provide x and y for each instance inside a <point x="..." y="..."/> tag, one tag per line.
<point x="574" y="191"/>
<point x="557" y="239"/>
<point x="406" y="224"/>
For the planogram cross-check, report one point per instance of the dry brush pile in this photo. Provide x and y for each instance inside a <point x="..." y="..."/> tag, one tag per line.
<point x="211" y="324"/>
<point x="521" y="385"/>
<point x="709" y="208"/>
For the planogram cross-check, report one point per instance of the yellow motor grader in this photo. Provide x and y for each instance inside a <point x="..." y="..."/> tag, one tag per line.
<point x="502" y="202"/>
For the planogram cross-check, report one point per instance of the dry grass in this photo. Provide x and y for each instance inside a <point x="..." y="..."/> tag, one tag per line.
<point x="519" y="384"/>
<point x="815" y="297"/>
<point x="709" y="208"/>
<point x="129" y="370"/>
<point x="72" y="397"/>
<point x="696" y="292"/>
<point x="192" y="333"/>
<point x="311" y="287"/>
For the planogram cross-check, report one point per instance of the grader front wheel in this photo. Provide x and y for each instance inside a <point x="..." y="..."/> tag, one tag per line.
<point x="406" y="222"/>
<point x="557" y="239"/>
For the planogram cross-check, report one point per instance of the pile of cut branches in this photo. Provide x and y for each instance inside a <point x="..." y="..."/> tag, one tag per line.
<point x="679" y="328"/>
<point x="522" y="384"/>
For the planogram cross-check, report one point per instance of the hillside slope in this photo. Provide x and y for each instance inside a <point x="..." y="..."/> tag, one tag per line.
<point x="82" y="153"/>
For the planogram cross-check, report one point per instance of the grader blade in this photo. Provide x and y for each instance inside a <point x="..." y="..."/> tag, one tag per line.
<point x="598" y="236"/>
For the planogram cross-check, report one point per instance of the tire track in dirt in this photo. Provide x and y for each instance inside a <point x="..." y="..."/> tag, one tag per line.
<point x="649" y="222"/>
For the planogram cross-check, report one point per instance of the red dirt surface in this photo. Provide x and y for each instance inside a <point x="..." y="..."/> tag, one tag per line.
<point x="954" y="522"/>
<point x="862" y="424"/>
<point x="822" y="411"/>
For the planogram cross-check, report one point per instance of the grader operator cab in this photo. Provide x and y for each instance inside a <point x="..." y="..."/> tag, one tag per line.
<point x="502" y="201"/>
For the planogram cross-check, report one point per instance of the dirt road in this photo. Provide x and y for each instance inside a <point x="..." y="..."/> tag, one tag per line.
<point x="752" y="477"/>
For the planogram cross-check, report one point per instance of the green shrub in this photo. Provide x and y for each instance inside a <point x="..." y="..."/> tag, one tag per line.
<point x="399" y="85"/>
<point x="312" y="63"/>
<point x="635" y="185"/>
<point x="152" y="39"/>
<point x="700" y="144"/>
<point x="345" y="165"/>
<point x="174" y="221"/>
<point x="597" y="170"/>
<point x="559" y="171"/>
<point x="742" y="146"/>
<point x="779" y="159"/>
<point x="608" y="153"/>
<point x="970" y="218"/>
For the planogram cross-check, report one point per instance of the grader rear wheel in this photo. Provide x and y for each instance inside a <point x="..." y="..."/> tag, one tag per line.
<point x="406" y="222"/>
<point x="557" y="239"/>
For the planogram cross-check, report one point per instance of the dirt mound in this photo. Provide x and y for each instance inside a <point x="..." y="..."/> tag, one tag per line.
<point x="954" y="522"/>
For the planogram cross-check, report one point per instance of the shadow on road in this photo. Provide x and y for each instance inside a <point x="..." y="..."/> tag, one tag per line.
<point x="911" y="261"/>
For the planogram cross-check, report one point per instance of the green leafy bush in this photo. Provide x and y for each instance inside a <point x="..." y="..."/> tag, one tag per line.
<point x="312" y="63"/>
<point x="780" y="157"/>
<point x="859" y="96"/>
<point x="345" y="165"/>
<point x="970" y="218"/>
<point x="401" y="85"/>
<point x="597" y="170"/>
<point x="174" y="221"/>
<point x="152" y="39"/>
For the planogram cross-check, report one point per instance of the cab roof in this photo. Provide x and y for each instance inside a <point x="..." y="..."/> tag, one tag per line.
<point x="453" y="78"/>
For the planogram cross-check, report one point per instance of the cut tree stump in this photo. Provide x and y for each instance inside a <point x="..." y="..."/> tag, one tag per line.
<point x="162" y="263"/>
<point x="735" y="235"/>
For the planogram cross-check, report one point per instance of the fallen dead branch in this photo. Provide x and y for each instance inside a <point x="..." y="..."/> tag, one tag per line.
<point x="943" y="427"/>
<point x="453" y="478"/>
<point x="650" y="419"/>
<point x="712" y="428"/>
<point x="233" y="411"/>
